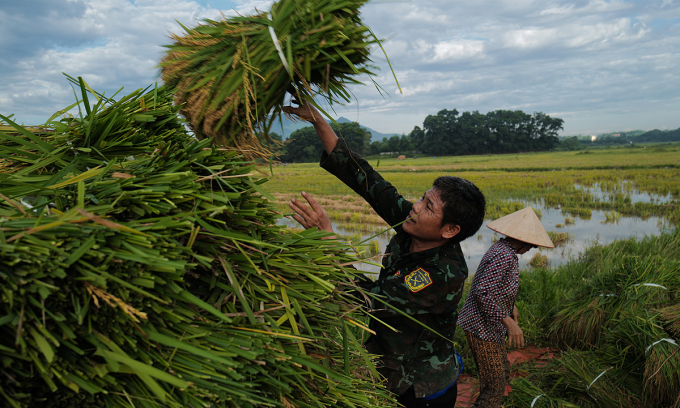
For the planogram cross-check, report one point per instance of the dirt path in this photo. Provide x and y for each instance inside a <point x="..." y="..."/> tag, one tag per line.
<point x="468" y="386"/>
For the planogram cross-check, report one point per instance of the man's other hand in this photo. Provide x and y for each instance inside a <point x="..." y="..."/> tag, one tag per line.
<point x="312" y="215"/>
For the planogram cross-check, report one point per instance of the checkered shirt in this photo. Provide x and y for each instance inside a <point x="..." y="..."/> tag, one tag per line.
<point x="492" y="295"/>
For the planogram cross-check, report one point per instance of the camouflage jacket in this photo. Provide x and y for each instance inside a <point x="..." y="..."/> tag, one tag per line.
<point x="426" y="285"/>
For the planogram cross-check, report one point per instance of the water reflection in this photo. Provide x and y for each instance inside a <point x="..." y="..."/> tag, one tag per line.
<point x="627" y="189"/>
<point x="584" y="232"/>
<point x="597" y="229"/>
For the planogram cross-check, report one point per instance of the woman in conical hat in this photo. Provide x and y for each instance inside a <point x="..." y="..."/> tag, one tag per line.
<point x="489" y="314"/>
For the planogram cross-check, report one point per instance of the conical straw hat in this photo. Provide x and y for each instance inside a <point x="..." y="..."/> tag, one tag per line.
<point x="523" y="225"/>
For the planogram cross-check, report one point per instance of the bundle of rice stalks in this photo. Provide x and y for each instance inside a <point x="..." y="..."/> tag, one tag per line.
<point x="671" y="318"/>
<point x="625" y="314"/>
<point x="580" y="323"/>
<point x="633" y="284"/>
<point x="643" y="332"/>
<point x="526" y="394"/>
<point x="653" y="283"/>
<point x="139" y="267"/>
<point x="231" y="75"/>
<point x="590" y="380"/>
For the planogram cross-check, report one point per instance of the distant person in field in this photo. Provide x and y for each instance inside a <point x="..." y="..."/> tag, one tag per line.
<point x="423" y="271"/>
<point x="489" y="314"/>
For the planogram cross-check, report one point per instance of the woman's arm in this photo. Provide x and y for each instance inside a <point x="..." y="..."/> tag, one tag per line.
<point x="515" y="334"/>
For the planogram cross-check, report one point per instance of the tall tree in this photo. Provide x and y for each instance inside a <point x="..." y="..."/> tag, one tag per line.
<point x="304" y="145"/>
<point x="439" y="130"/>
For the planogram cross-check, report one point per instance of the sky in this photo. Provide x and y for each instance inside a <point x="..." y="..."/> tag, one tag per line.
<point x="601" y="66"/>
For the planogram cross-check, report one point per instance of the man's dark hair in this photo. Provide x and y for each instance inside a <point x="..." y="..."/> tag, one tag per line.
<point x="464" y="205"/>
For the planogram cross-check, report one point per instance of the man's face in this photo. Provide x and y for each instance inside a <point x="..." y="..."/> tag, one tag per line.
<point x="426" y="218"/>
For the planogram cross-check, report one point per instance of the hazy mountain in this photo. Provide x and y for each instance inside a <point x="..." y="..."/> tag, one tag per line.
<point x="289" y="127"/>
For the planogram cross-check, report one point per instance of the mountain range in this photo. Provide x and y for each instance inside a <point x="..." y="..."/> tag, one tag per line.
<point x="289" y="127"/>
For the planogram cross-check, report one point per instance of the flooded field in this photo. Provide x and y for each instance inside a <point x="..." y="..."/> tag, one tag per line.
<point x="601" y="228"/>
<point x="579" y="206"/>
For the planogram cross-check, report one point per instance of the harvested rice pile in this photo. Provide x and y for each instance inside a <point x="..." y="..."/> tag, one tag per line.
<point x="231" y="76"/>
<point x="140" y="267"/>
<point x="620" y="336"/>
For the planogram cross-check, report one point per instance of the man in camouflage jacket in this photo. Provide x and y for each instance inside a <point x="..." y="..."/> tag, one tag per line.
<point x="423" y="271"/>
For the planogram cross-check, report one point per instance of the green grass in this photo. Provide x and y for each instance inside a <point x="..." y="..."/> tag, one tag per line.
<point x="510" y="181"/>
<point x="599" y="310"/>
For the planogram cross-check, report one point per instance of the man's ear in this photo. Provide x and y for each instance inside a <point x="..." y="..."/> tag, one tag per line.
<point x="449" y="231"/>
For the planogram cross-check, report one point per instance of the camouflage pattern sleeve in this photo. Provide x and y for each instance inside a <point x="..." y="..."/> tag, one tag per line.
<point x="350" y="168"/>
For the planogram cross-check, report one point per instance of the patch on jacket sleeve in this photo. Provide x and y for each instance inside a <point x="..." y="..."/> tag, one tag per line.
<point x="418" y="280"/>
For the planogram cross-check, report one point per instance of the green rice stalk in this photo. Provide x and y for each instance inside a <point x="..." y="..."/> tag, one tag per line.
<point x="588" y="380"/>
<point x="639" y="330"/>
<point x="230" y="79"/>
<point x="526" y="394"/>
<point x="671" y="317"/>
<point x="632" y="283"/>
<point x="140" y="267"/>
<point x="580" y="323"/>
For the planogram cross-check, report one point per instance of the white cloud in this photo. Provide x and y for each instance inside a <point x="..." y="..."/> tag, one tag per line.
<point x="458" y="49"/>
<point x="601" y="64"/>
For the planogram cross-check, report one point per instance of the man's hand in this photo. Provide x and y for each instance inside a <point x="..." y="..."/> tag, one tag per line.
<point x="305" y="111"/>
<point x="312" y="215"/>
<point x="515" y="334"/>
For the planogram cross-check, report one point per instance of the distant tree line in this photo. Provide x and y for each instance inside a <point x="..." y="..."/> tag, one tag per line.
<point x="446" y="133"/>
<point x="304" y="145"/>
<point x="622" y="138"/>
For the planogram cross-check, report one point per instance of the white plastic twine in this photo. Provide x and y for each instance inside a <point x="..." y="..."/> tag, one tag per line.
<point x="275" y="39"/>
<point x="654" y="285"/>
<point x="536" y="399"/>
<point x="30" y="207"/>
<point x="657" y="342"/>
<point x="593" y="382"/>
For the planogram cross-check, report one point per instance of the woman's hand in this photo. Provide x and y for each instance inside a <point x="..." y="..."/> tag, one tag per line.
<point x="515" y="334"/>
<point x="312" y="215"/>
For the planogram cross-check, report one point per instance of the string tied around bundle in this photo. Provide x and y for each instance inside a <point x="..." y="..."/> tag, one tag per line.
<point x="275" y="39"/>
<point x="536" y="399"/>
<point x="653" y="285"/>
<point x="672" y="341"/>
<point x="593" y="382"/>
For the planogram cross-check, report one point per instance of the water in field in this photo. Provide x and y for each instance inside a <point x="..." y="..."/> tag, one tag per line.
<point x="602" y="228"/>
<point x="596" y="230"/>
<point x="627" y="190"/>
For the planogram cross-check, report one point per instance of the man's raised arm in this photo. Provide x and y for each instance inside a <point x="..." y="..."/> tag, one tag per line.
<point x="307" y="112"/>
<point x="350" y="168"/>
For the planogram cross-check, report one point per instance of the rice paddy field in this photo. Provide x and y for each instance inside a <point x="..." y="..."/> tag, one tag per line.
<point x="582" y="198"/>
<point x="605" y="300"/>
